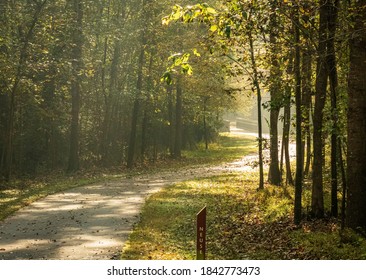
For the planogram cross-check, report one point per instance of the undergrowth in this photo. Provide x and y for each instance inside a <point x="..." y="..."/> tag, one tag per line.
<point x="242" y="223"/>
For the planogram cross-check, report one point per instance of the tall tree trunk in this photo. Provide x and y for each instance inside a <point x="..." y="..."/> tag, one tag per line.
<point x="344" y="185"/>
<point x="178" y="121"/>
<point x="356" y="156"/>
<point x="205" y="129"/>
<point x="274" y="175"/>
<point x="136" y="105"/>
<point x="171" y="120"/>
<point x="259" y="107"/>
<point x="317" y="200"/>
<point x="333" y="81"/>
<point x="306" y="103"/>
<point x="144" y="127"/>
<point x="147" y="105"/>
<point x="76" y="56"/>
<point x="306" y="85"/>
<point x="287" y="123"/>
<point x="106" y="120"/>
<point x="286" y="139"/>
<point x="299" y="152"/>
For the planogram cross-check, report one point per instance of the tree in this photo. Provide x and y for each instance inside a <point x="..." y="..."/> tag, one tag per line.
<point x="26" y="34"/>
<point x="299" y="152"/>
<point x="333" y="83"/>
<point x="274" y="175"/>
<point x="259" y="108"/>
<point x="317" y="199"/>
<point x="137" y="103"/>
<point x="75" y="88"/>
<point x="356" y="156"/>
<point x="178" y="120"/>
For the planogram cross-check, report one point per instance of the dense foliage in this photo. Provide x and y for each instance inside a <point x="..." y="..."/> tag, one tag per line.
<point x="80" y="86"/>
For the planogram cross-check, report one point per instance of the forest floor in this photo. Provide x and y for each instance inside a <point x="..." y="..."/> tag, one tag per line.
<point x="151" y="216"/>
<point x="94" y="221"/>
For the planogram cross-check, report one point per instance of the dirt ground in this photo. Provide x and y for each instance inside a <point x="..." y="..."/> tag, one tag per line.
<point x="91" y="222"/>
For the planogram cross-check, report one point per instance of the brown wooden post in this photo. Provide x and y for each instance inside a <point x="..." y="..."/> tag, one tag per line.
<point x="201" y="234"/>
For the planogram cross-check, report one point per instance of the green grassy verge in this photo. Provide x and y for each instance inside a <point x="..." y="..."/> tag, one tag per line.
<point x="226" y="149"/>
<point x="19" y="193"/>
<point x="242" y="223"/>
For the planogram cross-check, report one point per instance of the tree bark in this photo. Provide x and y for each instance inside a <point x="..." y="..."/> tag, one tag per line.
<point x="148" y="104"/>
<point x="356" y="156"/>
<point x="286" y="140"/>
<point x="136" y="106"/>
<point x="171" y="120"/>
<point x="178" y="121"/>
<point x="299" y="152"/>
<point x="205" y="129"/>
<point x="333" y="81"/>
<point x="317" y="200"/>
<point x="306" y="103"/>
<point x="259" y="107"/>
<point x="274" y="174"/>
<point x="106" y="120"/>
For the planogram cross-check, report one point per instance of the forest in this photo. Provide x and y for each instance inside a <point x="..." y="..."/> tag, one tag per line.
<point x="122" y="84"/>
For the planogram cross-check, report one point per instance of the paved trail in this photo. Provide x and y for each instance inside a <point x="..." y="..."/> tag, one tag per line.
<point x="91" y="222"/>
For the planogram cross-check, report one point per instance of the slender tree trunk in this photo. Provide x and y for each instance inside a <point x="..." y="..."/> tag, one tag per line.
<point x="317" y="200"/>
<point x="344" y="185"/>
<point x="171" y="120"/>
<point x="286" y="139"/>
<point x="106" y="121"/>
<point x="333" y="81"/>
<point x="274" y="175"/>
<point x="178" y="121"/>
<point x="147" y="105"/>
<point x="299" y="152"/>
<point x="205" y="122"/>
<point x="144" y="127"/>
<point x="356" y="155"/>
<point x="306" y="86"/>
<point x="259" y="107"/>
<point x="76" y="55"/>
<point x="136" y="106"/>
<point x="306" y="103"/>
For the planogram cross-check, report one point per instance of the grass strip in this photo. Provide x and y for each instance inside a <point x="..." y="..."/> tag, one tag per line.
<point x="242" y="223"/>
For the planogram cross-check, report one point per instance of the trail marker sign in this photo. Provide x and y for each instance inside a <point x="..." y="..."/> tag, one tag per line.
<point x="201" y="234"/>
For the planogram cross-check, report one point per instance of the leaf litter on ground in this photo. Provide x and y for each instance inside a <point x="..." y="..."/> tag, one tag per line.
<point x="242" y="223"/>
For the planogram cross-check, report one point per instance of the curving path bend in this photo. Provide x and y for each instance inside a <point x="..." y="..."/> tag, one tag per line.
<point x="91" y="222"/>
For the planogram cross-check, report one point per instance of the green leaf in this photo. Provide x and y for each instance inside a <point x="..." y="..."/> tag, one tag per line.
<point x="196" y="53"/>
<point x="176" y="15"/>
<point x="187" y="69"/>
<point x="167" y="77"/>
<point x="228" y="31"/>
<point x="211" y="11"/>
<point x="213" y="28"/>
